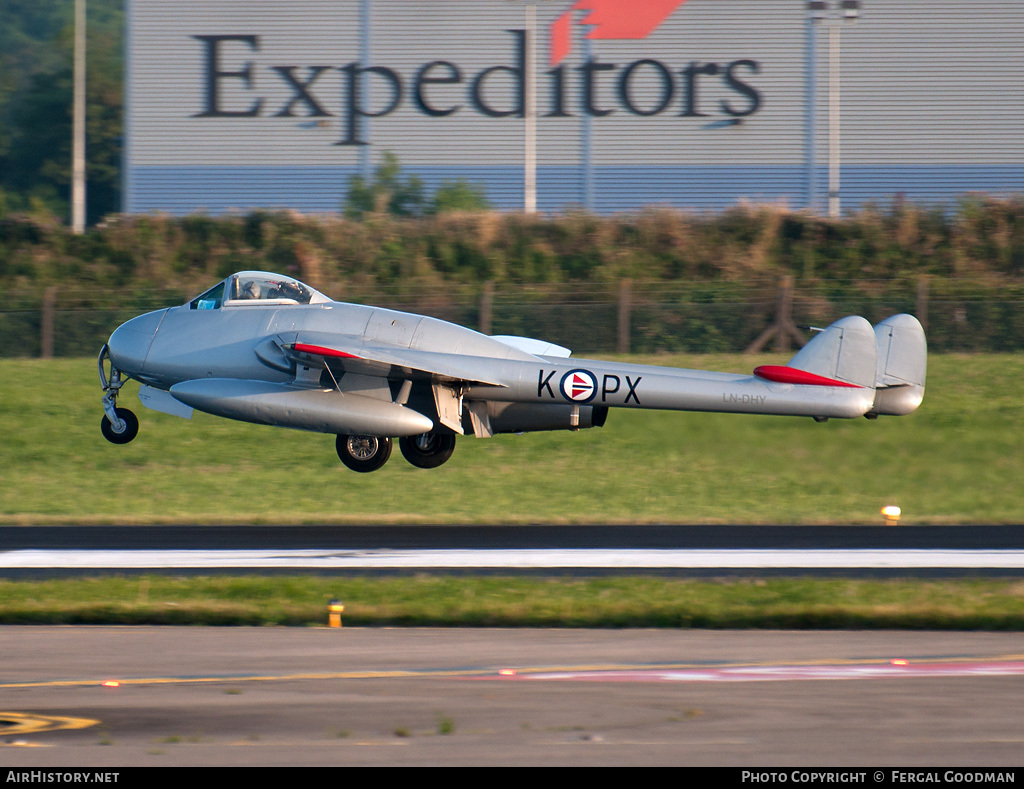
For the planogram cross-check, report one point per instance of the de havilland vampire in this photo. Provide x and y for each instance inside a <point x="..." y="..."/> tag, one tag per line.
<point x="265" y="348"/>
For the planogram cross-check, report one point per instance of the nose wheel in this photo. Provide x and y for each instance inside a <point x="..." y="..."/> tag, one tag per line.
<point x="123" y="430"/>
<point x="119" y="425"/>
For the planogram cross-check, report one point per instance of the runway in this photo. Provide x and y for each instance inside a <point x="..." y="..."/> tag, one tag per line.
<point x="515" y="560"/>
<point x="106" y="697"/>
<point x="114" y="696"/>
<point x="685" y="550"/>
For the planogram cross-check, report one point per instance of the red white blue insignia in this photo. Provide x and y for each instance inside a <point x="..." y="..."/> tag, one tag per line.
<point x="578" y="386"/>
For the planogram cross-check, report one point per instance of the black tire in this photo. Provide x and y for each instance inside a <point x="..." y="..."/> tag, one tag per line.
<point x="131" y="427"/>
<point x="363" y="453"/>
<point x="427" y="450"/>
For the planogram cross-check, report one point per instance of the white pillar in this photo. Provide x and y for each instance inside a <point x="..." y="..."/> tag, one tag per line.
<point x="833" y="119"/>
<point x="78" y="125"/>
<point x="530" y="114"/>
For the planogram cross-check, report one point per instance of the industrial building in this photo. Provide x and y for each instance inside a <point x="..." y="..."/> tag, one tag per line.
<point x="606" y="105"/>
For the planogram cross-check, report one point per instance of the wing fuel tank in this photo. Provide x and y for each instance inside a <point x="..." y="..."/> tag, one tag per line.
<point x="284" y="405"/>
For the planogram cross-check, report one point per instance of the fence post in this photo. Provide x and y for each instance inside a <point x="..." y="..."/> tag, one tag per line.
<point x="783" y="330"/>
<point x="487" y="307"/>
<point x="625" y="306"/>
<point x="922" y="301"/>
<point x="46" y="330"/>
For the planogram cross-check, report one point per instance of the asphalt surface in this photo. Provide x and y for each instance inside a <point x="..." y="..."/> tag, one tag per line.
<point x="350" y="696"/>
<point x="276" y="696"/>
<point x="883" y="551"/>
<point x="497" y="537"/>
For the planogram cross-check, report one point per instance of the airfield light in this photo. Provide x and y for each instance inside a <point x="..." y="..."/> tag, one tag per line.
<point x="334" y="609"/>
<point x="507" y="672"/>
<point x="892" y="514"/>
<point x="900" y="662"/>
<point x="110" y="683"/>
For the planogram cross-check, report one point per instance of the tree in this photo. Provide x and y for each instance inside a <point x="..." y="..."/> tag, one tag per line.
<point x="389" y="193"/>
<point x="386" y="193"/>
<point x="458" y="195"/>
<point x="35" y="102"/>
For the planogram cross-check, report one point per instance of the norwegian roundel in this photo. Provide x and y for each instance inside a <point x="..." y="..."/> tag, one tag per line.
<point x="579" y="386"/>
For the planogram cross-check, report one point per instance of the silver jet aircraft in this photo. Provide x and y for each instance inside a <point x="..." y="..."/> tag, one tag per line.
<point x="265" y="348"/>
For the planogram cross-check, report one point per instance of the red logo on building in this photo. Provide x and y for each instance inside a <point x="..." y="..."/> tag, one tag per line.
<point x="610" y="19"/>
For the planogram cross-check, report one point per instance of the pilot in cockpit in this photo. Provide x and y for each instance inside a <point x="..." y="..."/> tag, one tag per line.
<point x="250" y="290"/>
<point x="292" y="290"/>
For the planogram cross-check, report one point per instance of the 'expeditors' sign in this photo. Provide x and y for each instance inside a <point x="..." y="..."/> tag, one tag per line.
<point x="644" y="87"/>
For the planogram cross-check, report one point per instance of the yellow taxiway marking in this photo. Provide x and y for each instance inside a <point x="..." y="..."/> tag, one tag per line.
<point x="519" y="670"/>
<point x="33" y="723"/>
<point x="238" y="678"/>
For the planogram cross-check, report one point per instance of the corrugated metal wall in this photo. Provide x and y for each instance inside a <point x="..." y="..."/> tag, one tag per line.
<point x="237" y="104"/>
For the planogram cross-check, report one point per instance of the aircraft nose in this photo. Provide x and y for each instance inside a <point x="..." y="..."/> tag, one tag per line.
<point x="129" y="344"/>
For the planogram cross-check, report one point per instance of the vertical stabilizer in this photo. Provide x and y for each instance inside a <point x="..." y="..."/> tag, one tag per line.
<point x="902" y="365"/>
<point x="846" y="352"/>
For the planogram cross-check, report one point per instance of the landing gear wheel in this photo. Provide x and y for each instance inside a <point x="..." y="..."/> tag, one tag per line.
<point x="129" y="428"/>
<point x="428" y="450"/>
<point x="363" y="453"/>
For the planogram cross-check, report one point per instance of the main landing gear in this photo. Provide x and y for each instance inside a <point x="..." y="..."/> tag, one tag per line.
<point x="363" y="453"/>
<point x="428" y="450"/>
<point x="119" y="425"/>
<point x="369" y="453"/>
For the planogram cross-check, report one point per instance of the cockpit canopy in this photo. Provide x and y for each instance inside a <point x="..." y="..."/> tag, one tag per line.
<point x="255" y="288"/>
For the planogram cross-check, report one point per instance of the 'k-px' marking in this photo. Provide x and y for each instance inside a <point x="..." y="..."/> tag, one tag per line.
<point x="581" y="386"/>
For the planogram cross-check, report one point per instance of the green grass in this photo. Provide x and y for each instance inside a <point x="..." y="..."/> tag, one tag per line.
<point x="442" y="601"/>
<point x="957" y="460"/>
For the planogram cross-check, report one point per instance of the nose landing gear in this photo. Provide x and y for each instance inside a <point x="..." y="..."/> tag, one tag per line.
<point x="123" y="430"/>
<point x="119" y="425"/>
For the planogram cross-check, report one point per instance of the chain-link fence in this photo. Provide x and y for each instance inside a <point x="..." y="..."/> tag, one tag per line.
<point x="626" y="316"/>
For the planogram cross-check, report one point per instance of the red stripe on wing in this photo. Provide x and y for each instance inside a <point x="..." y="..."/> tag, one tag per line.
<point x="320" y="350"/>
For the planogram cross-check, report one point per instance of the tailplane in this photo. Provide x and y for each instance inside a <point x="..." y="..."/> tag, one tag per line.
<point x="890" y="359"/>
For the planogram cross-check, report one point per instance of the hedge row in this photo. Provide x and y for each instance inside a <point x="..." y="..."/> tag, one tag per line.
<point x="981" y="241"/>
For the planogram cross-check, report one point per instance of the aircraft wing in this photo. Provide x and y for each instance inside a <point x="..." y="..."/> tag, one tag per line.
<point x="311" y="349"/>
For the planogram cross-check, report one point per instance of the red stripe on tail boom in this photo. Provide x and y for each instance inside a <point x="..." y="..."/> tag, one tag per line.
<point x="790" y="375"/>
